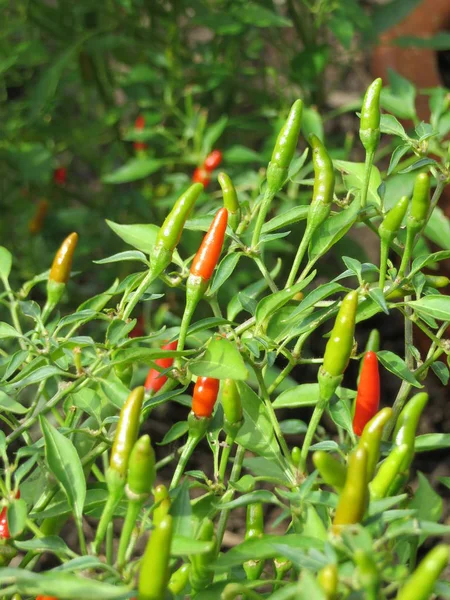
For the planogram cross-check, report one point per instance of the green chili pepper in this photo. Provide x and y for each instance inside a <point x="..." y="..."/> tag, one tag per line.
<point x="231" y="403"/>
<point x="328" y="580"/>
<point x="200" y="576"/>
<point x="255" y="529"/>
<point x="170" y="231"/>
<point x="153" y="575"/>
<point x="405" y="429"/>
<point x="421" y="583"/>
<point x="320" y="206"/>
<point x="282" y="566"/>
<point x="387" y="473"/>
<point x="437" y="281"/>
<point x="230" y="200"/>
<point x="162" y="500"/>
<point x="353" y="499"/>
<point x="331" y="470"/>
<point x="371" y="439"/>
<point x="179" y="579"/>
<point x="368" y="575"/>
<point x="392" y="221"/>
<point x="295" y="456"/>
<point x="369" y="128"/>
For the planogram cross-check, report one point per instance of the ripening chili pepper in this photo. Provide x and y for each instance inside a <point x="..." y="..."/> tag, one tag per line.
<point x="4" y="529"/>
<point x="155" y="380"/>
<point x="139" y="125"/>
<point x="179" y="579"/>
<point x="213" y="160"/>
<point x="204" y="396"/>
<point x="60" y="270"/>
<point x="371" y="438"/>
<point x="230" y="200"/>
<point x="153" y="574"/>
<point x="37" y="221"/>
<point x="390" y="468"/>
<point x="201" y="175"/>
<point x="369" y="128"/>
<point x="254" y="529"/>
<point x="372" y="345"/>
<point x="200" y="576"/>
<point x="332" y="471"/>
<point x="231" y="402"/>
<point x="60" y="175"/>
<point x="320" y="206"/>
<point x="421" y="583"/>
<point x="328" y="580"/>
<point x="406" y="426"/>
<point x="388" y="230"/>
<point x="170" y="231"/>
<point x="353" y="498"/>
<point x="368" y="395"/>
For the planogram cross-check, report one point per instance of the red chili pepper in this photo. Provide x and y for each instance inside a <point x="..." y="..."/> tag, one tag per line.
<point x="209" y="252"/>
<point x="201" y="175"/>
<point x="46" y="598"/>
<point x="139" y="124"/>
<point x="155" y="380"/>
<point x="368" y="396"/>
<point x="138" y="329"/>
<point x="204" y="396"/>
<point x="213" y="160"/>
<point x="59" y="175"/>
<point x="4" y="529"/>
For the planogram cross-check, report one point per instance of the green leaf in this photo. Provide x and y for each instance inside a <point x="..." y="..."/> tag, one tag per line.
<point x="258" y="496"/>
<point x="181" y="511"/>
<point x="426" y="501"/>
<point x="224" y="271"/>
<point x="432" y="441"/>
<point x="142" y="237"/>
<point x="385" y="16"/>
<point x="436" y="306"/>
<point x="399" y="97"/>
<point x="17" y="516"/>
<point x="187" y="546"/>
<point x="397" y="155"/>
<point x="439" y="41"/>
<point x="50" y="543"/>
<point x="6" y="331"/>
<point x="64" y="462"/>
<point x="5" y="263"/>
<point x="133" y="170"/>
<point x="175" y="432"/>
<point x="390" y="125"/>
<point x="242" y="155"/>
<point x="397" y="366"/>
<point x="293" y="215"/>
<point x="306" y="394"/>
<point x="10" y="405"/>
<point x="353" y="176"/>
<point x="221" y="360"/>
<point x="332" y="230"/>
<point x="438" y="229"/>
<point x="122" y="256"/>
<point x="38" y="375"/>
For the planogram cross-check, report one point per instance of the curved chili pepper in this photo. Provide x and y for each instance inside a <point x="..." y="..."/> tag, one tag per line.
<point x="201" y="175"/>
<point x="369" y="128"/>
<point x="392" y="221"/>
<point x="353" y="498"/>
<point x="213" y="160"/>
<point x="155" y="380"/>
<point x="37" y="221"/>
<point x="371" y="439"/>
<point x="200" y="576"/>
<point x="328" y="580"/>
<point x="421" y="583"/>
<point x="390" y="468"/>
<point x="405" y="429"/>
<point x="170" y="231"/>
<point x="209" y="252"/>
<point x="230" y="200"/>
<point x="139" y="125"/>
<point x="254" y="529"/>
<point x="204" y="396"/>
<point x="162" y="502"/>
<point x="153" y="573"/>
<point x="60" y="175"/>
<point x="368" y="395"/>
<point x="179" y="579"/>
<point x="231" y="402"/>
<point x="331" y="470"/>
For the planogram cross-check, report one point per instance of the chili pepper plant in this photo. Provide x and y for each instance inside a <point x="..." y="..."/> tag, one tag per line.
<point x="330" y="505"/>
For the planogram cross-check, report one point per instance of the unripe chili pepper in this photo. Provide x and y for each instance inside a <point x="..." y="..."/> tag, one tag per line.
<point x="139" y="125"/>
<point x="200" y="576"/>
<point x="371" y="439"/>
<point x="392" y="221"/>
<point x="162" y="500"/>
<point x="59" y="175"/>
<point x="213" y="160"/>
<point x="421" y="583"/>
<point x="201" y="175"/>
<point x="331" y="470"/>
<point x="281" y="566"/>
<point x="179" y="579"/>
<point x="153" y="574"/>
<point x="405" y="429"/>
<point x="420" y="202"/>
<point x="328" y="580"/>
<point x="37" y="221"/>
<point x="353" y="498"/>
<point x="231" y="402"/>
<point x="230" y="200"/>
<point x="295" y="456"/>
<point x="60" y="270"/>
<point x="368" y="575"/>
<point x="368" y="395"/>
<point x="369" y="128"/>
<point x="170" y="231"/>
<point x="437" y="281"/>
<point x="254" y="529"/>
<point x="155" y="380"/>
<point x="204" y="396"/>
<point x="390" y="468"/>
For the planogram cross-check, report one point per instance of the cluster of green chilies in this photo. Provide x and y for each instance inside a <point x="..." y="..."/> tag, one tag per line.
<point x="131" y="472"/>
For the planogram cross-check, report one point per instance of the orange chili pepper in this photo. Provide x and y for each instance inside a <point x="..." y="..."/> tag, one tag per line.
<point x="204" y="396"/>
<point x="155" y="380"/>
<point x="209" y="252"/>
<point x="368" y="396"/>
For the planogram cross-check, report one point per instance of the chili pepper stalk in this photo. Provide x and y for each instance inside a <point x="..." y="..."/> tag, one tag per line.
<point x="320" y="206"/>
<point x="335" y="361"/>
<point x="369" y="131"/>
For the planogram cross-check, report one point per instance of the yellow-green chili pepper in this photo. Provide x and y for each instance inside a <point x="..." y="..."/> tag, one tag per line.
<point x="421" y="583"/>
<point x="328" y="580"/>
<point x="230" y="200"/>
<point x="255" y="529"/>
<point x="390" y="468"/>
<point x="153" y="574"/>
<point x="369" y="128"/>
<point x="353" y="499"/>
<point x="331" y="470"/>
<point x="406" y="427"/>
<point x="371" y="438"/>
<point x="200" y="576"/>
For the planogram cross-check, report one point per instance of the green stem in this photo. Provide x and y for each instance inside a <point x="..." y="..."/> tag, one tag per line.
<point x="263" y="209"/>
<point x="266" y="274"/>
<point x="106" y="518"/>
<point x="81" y="538"/>
<point x="138" y="294"/>
<point x="235" y="474"/>
<point x="133" y="511"/>
<point x="13" y="311"/>
<point x="188" y="449"/>
<point x="229" y="441"/>
<point x="407" y="253"/>
<point x="384" y="250"/>
<point x="233" y="590"/>
<point x="367" y="172"/>
<point x="299" y="257"/>
<point x="310" y="432"/>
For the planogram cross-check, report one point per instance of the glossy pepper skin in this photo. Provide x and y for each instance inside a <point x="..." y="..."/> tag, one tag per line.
<point x="406" y="427"/>
<point x="421" y="583"/>
<point x="204" y="397"/>
<point x="388" y="472"/>
<point x="230" y="200"/>
<point x="179" y="579"/>
<point x="201" y="175"/>
<point x="353" y="498"/>
<point x="170" y="231"/>
<point x="420" y="202"/>
<point x="393" y="220"/>
<point x="328" y="580"/>
<point x="368" y="395"/>
<point x="60" y="270"/>
<point x="153" y="575"/>
<point x="371" y="439"/>
<point x="200" y="576"/>
<point x="46" y="598"/>
<point x="141" y="471"/>
<point x="155" y="380"/>
<point x="369" y="128"/>
<point x="213" y="160"/>
<point x="231" y="402"/>
<point x="124" y="439"/>
<point x="210" y="249"/>
<point x="331" y="470"/>
<point x="254" y="529"/>
<point x="162" y="500"/>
